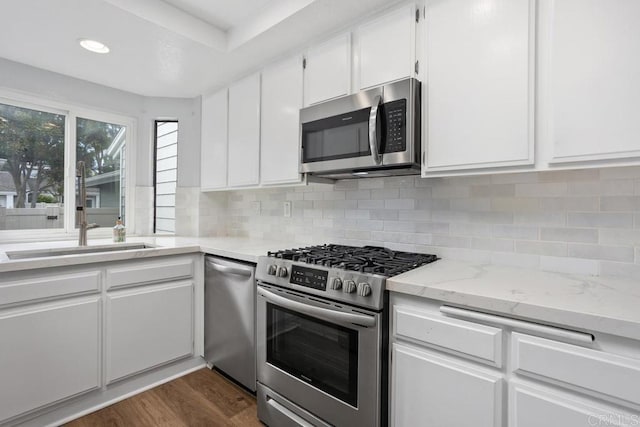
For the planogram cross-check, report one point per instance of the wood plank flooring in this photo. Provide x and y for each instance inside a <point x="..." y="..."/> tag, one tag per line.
<point x="202" y="398"/>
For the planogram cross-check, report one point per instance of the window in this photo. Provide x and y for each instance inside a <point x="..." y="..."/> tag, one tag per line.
<point x="39" y="150"/>
<point x="166" y="176"/>
<point x="32" y="146"/>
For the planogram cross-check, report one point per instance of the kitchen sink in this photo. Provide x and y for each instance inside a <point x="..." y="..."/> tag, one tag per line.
<point x="76" y="250"/>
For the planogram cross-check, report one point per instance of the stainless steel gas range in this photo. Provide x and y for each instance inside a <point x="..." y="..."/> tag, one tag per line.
<point x="322" y="328"/>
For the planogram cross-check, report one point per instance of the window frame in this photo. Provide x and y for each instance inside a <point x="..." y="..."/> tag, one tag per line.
<point x="71" y="113"/>
<point x="155" y="168"/>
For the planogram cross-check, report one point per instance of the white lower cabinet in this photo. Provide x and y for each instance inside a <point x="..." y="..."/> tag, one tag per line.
<point x="148" y="326"/>
<point x="539" y="406"/>
<point x="48" y="352"/>
<point x="438" y="391"/>
<point x="453" y="371"/>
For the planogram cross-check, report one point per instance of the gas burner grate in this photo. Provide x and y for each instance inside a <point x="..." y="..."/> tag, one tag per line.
<point x="366" y="259"/>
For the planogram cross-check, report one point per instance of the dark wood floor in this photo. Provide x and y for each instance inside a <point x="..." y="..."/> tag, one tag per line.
<point x="202" y="398"/>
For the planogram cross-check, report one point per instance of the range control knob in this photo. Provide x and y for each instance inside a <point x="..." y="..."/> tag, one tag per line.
<point x="349" y="286"/>
<point x="271" y="270"/>
<point x="282" y="272"/>
<point x="336" y="283"/>
<point x="364" y="289"/>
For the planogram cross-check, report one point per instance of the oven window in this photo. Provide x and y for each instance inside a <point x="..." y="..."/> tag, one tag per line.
<point x="318" y="352"/>
<point x="337" y="137"/>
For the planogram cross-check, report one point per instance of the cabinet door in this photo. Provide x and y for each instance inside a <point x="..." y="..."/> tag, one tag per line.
<point x="387" y="47"/>
<point x="244" y="132"/>
<point x="328" y="70"/>
<point x="280" y="138"/>
<point x="48" y="353"/>
<point x="594" y="78"/>
<point x="213" y="167"/>
<point x="535" y="407"/>
<point x="434" y="391"/>
<point x="148" y="326"/>
<point x="480" y="77"/>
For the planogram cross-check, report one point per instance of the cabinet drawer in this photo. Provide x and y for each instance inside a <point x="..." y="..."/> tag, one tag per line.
<point x="605" y="374"/>
<point x="154" y="271"/>
<point x="466" y="339"/>
<point x="47" y="287"/>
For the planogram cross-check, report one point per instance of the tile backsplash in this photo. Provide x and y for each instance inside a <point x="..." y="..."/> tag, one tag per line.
<point x="583" y="221"/>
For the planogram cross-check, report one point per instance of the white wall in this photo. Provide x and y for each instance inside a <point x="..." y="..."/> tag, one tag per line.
<point x="68" y="90"/>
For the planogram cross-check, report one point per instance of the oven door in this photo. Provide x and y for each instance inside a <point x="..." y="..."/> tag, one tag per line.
<point x="323" y="357"/>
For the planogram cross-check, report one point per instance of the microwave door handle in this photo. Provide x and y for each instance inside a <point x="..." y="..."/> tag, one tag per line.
<point x="374" y="138"/>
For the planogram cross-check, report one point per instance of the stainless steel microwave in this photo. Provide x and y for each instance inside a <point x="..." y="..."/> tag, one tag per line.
<point x="375" y="132"/>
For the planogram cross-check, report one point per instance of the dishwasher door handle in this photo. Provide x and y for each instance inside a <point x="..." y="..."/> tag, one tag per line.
<point x="230" y="270"/>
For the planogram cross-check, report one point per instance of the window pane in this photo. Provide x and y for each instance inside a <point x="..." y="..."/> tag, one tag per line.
<point x="166" y="176"/>
<point x="31" y="169"/>
<point x="101" y="146"/>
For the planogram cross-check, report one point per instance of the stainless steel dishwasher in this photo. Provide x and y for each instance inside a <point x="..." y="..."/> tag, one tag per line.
<point x="229" y="313"/>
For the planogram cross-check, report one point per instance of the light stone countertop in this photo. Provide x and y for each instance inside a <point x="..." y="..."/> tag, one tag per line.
<point x="232" y="247"/>
<point x="593" y="304"/>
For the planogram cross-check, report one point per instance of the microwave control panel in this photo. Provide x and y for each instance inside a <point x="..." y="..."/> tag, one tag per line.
<point x="395" y="114"/>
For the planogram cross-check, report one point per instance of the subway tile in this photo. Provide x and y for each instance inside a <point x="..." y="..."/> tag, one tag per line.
<point x="316" y="195"/>
<point x="404" y="226"/>
<point x="493" y="190"/>
<point x="334" y="195"/>
<point x="521" y="232"/>
<point x="542" y="248"/>
<point x="470" y="229"/>
<point x="370" y="183"/>
<point x="358" y="194"/>
<point x="620" y="172"/>
<point x="564" y="204"/>
<point x="357" y="234"/>
<point x="512" y="259"/>
<point x="346" y="184"/>
<point x="400" y="204"/>
<point x="414" y="215"/>
<point x="491" y="217"/>
<point x="620" y="203"/>
<point x="568" y="265"/>
<point x="620" y="237"/>
<point x="574" y="175"/>
<point x="383" y="194"/>
<point x="415" y="193"/>
<point x="432" y="227"/>
<point x="620" y="269"/>
<point x="399" y="182"/>
<point x="541" y="189"/>
<point x="579" y="235"/>
<point x="452" y="241"/>
<point x="450" y="216"/>
<point x="370" y="204"/>
<point x="383" y="214"/>
<point x="540" y="218"/>
<point x="434" y="204"/>
<point x="357" y="213"/>
<point x="471" y="204"/>
<point x="515" y="204"/>
<point x="487" y="244"/>
<point x="609" y="253"/>
<point x="450" y="191"/>
<point x="600" y="219"/>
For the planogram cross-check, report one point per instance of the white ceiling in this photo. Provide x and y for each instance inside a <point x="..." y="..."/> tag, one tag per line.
<point x="174" y="48"/>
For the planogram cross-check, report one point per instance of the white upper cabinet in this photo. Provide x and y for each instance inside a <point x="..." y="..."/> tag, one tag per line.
<point x="591" y="63"/>
<point x="280" y="130"/>
<point x="244" y="132"/>
<point x="479" y="88"/>
<point x="328" y="70"/>
<point x="213" y="159"/>
<point x="386" y="48"/>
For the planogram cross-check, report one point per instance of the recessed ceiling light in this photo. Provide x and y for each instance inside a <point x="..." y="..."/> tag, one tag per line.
<point x="94" y="46"/>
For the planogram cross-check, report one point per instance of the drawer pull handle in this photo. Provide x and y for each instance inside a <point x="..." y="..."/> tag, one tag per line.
<point x="534" y="328"/>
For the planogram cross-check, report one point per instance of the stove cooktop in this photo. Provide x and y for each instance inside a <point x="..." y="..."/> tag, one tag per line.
<point x="366" y="259"/>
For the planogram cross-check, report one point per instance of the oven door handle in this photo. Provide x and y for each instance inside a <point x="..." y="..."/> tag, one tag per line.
<point x="374" y="138"/>
<point x="322" y="313"/>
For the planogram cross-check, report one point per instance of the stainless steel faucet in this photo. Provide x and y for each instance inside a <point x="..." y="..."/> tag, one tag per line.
<point x="81" y="211"/>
